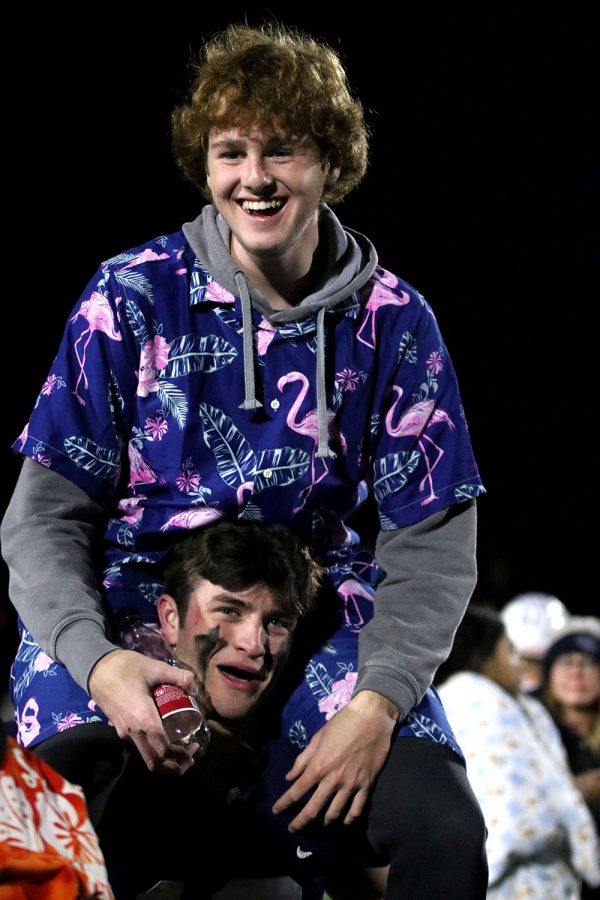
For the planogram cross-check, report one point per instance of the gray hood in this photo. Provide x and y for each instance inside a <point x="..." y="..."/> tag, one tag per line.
<point x="349" y="263"/>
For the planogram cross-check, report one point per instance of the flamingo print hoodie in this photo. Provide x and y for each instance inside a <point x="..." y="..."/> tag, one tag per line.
<point x="177" y="317"/>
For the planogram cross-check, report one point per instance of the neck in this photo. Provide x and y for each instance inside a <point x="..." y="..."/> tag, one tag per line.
<point x="580" y="719"/>
<point x="283" y="279"/>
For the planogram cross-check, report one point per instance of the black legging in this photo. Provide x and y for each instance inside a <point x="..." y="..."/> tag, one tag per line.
<point x="423" y="820"/>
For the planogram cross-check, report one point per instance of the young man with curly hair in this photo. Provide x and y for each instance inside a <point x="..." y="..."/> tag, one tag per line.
<point x="260" y="363"/>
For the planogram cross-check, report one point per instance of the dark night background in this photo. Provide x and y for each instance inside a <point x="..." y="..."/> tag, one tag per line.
<point x="479" y="193"/>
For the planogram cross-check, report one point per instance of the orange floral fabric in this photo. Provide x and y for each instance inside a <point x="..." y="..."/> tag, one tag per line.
<point x="48" y="847"/>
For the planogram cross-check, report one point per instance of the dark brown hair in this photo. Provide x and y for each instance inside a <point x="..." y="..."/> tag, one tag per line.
<point x="474" y="642"/>
<point x="240" y="555"/>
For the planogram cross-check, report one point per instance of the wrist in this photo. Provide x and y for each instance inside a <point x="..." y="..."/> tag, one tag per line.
<point x="372" y="700"/>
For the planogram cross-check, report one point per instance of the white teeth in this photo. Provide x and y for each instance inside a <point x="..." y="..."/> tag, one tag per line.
<point x="258" y="205"/>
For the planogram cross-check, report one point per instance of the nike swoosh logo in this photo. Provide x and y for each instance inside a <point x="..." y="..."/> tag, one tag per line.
<point x="303" y="854"/>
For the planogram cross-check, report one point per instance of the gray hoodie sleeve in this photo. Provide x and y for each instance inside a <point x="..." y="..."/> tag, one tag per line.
<point x="430" y="575"/>
<point x="46" y="538"/>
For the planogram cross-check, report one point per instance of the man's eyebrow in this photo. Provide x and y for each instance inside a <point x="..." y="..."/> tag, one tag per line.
<point x="230" y="599"/>
<point x="239" y="143"/>
<point x="226" y="142"/>
<point x="283" y="610"/>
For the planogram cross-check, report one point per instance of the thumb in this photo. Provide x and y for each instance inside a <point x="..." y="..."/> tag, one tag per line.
<point x="163" y="673"/>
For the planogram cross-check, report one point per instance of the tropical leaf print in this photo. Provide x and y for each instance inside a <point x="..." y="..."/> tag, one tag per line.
<point x="96" y="460"/>
<point x="283" y="466"/>
<point x="130" y="278"/>
<point x="407" y="348"/>
<point x="228" y="316"/>
<point x="297" y="329"/>
<point x="35" y="659"/>
<point x="137" y="322"/>
<point x="386" y="523"/>
<point x="22" y="683"/>
<point x="121" y="259"/>
<point x="125" y="536"/>
<point x="115" y="398"/>
<point x="423" y="726"/>
<point x="151" y="591"/>
<point x="198" y="354"/>
<point x="252" y="512"/>
<point x="390" y="474"/>
<point x="375" y="423"/>
<point x="236" y="462"/>
<point x="297" y="735"/>
<point x="318" y="680"/>
<point x="174" y="401"/>
<point x="197" y="284"/>
<point x="468" y="491"/>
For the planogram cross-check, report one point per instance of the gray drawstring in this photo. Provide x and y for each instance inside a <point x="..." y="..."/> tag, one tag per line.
<point x="250" y="401"/>
<point x="323" y="450"/>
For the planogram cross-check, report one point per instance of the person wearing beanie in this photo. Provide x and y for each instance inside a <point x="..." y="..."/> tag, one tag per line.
<point x="542" y="842"/>
<point x="570" y="691"/>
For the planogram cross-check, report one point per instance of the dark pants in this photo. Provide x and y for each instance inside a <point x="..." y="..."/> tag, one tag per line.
<point x="423" y="820"/>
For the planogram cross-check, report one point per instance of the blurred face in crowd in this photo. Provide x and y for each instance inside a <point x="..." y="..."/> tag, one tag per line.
<point x="575" y="679"/>
<point x="504" y="666"/>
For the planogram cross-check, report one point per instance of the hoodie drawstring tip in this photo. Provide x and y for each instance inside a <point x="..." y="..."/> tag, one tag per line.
<point x="250" y="404"/>
<point x="325" y="453"/>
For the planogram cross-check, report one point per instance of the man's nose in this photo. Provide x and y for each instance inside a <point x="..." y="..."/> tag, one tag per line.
<point x="257" y="176"/>
<point x="252" y="637"/>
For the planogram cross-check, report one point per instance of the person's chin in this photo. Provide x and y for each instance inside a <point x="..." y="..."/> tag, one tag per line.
<point x="235" y="711"/>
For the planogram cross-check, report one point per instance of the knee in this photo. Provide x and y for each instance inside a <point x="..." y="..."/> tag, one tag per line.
<point x="424" y="805"/>
<point x="84" y="754"/>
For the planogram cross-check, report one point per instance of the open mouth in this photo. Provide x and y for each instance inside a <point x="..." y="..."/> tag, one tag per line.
<point x="240" y="674"/>
<point x="262" y="207"/>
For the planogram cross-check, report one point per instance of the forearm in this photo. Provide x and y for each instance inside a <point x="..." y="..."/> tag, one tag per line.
<point x="46" y="538"/>
<point x="430" y="575"/>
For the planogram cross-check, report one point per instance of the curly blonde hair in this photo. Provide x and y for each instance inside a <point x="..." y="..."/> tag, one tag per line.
<point x="274" y="77"/>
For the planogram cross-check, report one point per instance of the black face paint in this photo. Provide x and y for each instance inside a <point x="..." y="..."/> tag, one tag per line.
<point x="206" y="646"/>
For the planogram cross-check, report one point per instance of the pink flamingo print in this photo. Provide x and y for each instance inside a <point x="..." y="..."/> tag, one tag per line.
<point x="413" y="422"/>
<point x="309" y="426"/>
<point x="246" y="486"/>
<point x="98" y="314"/>
<point x="28" y="725"/>
<point x="145" y="256"/>
<point x="341" y="694"/>
<point x="380" y="296"/>
<point x="139" y="470"/>
<point x="192" y="518"/>
<point x="350" y="590"/>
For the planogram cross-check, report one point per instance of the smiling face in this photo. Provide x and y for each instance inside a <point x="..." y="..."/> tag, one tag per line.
<point x="575" y="680"/>
<point x="254" y="642"/>
<point x="268" y="188"/>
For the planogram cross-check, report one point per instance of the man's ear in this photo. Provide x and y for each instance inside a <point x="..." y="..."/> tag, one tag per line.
<point x="168" y="618"/>
<point x="334" y="166"/>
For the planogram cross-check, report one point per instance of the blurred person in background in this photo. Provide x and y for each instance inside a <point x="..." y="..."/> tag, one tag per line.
<point x="532" y="621"/>
<point x="542" y="841"/>
<point x="570" y="691"/>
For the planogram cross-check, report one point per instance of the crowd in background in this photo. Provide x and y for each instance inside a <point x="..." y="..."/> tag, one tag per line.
<point x="522" y="691"/>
